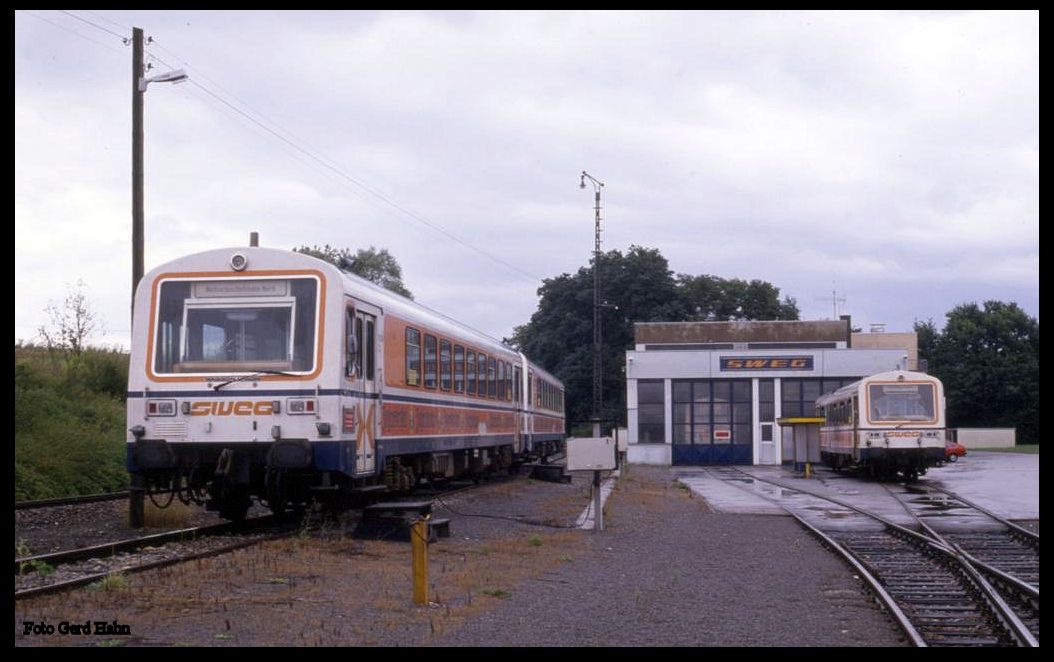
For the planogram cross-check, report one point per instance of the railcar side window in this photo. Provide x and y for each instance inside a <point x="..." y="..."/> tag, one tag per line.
<point x="492" y="381"/>
<point x="470" y="371"/>
<point x="430" y="361"/>
<point x="360" y="347"/>
<point x="236" y="326"/>
<point x="445" y="377"/>
<point x="459" y="369"/>
<point x="369" y="349"/>
<point x="351" y="345"/>
<point x="413" y="357"/>
<point x="501" y="380"/>
<point x="482" y="375"/>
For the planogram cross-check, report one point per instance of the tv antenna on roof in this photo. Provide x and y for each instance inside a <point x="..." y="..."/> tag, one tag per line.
<point x="834" y="299"/>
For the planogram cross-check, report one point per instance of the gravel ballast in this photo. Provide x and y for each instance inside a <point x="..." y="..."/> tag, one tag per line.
<point x="668" y="571"/>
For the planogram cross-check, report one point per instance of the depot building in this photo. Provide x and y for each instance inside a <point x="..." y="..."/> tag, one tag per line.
<point x="712" y="392"/>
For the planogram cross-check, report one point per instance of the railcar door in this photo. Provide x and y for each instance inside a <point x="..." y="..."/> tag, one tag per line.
<point x="361" y="410"/>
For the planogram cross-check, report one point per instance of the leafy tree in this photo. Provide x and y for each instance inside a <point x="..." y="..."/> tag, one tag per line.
<point x="711" y="298"/>
<point x="379" y="267"/>
<point x="988" y="359"/>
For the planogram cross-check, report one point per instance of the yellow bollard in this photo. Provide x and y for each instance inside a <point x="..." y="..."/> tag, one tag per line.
<point x="808" y="469"/>
<point x="419" y="546"/>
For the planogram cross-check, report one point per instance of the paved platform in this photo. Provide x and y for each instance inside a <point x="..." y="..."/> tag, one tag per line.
<point x="726" y="497"/>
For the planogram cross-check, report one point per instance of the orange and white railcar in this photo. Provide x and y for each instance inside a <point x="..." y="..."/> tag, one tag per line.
<point x="265" y="373"/>
<point x="889" y="423"/>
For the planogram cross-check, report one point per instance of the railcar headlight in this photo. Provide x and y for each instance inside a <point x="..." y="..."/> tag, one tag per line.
<point x="301" y="406"/>
<point x="138" y="431"/>
<point x="160" y="407"/>
<point x="239" y="262"/>
<point x="324" y="429"/>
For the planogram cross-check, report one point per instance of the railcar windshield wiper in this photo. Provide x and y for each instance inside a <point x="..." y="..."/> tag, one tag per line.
<point x="245" y="378"/>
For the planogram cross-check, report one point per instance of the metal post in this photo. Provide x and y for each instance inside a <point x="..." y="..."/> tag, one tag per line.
<point x="598" y="508"/>
<point x="419" y="546"/>
<point x="135" y="495"/>
<point x="598" y="367"/>
<point x="598" y="370"/>
<point x="137" y="163"/>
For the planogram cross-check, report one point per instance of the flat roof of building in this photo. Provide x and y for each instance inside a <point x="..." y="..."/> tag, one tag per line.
<point x="746" y="331"/>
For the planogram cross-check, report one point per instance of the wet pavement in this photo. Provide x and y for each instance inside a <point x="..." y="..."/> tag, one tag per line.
<point x="1005" y="483"/>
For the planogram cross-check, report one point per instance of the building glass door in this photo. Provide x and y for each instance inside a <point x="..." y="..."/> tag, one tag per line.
<point x="712" y="422"/>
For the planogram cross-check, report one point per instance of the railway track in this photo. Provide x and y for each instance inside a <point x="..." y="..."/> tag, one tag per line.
<point x="68" y="501"/>
<point x="73" y="568"/>
<point x="80" y="567"/>
<point x="938" y="593"/>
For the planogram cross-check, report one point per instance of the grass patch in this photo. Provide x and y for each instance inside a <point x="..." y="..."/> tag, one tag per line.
<point x="1031" y="449"/>
<point x="69" y="423"/>
<point x="114" y="581"/>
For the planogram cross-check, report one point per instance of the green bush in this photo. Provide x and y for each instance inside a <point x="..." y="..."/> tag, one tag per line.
<point x="69" y="423"/>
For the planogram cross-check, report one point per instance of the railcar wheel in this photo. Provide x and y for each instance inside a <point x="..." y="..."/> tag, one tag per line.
<point x="235" y="511"/>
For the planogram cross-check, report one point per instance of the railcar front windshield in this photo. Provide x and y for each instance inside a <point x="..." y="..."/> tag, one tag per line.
<point x="902" y="402"/>
<point x="236" y="326"/>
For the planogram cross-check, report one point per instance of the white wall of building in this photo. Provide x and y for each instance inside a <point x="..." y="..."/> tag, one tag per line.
<point x="987" y="437"/>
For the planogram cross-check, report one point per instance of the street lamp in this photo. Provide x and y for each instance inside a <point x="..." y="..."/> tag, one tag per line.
<point x="597" y="359"/>
<point x="139" y="84"/>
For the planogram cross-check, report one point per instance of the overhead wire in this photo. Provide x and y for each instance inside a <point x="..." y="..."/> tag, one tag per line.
<point x="125" y="38"/>
<point x="107" y="46"/>
<point x="298" y="144"/>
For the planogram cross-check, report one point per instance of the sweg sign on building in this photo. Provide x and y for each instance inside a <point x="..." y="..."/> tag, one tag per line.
<point x="766" y="363"/>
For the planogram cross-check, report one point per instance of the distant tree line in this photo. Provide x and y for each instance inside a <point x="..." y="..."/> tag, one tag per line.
<point x="988" y="359"/>
<point x="377" y="266"/>
<point x="637" y="286"/>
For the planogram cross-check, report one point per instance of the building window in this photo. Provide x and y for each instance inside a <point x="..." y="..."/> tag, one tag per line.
<point x="766" y="401"/>
<point x="712" y="412"/>
<point x="651" y="411"/>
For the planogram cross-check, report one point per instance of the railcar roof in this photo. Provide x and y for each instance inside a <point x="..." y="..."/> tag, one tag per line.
<point x="892" y="375"/>
<point x="368" y="291"/>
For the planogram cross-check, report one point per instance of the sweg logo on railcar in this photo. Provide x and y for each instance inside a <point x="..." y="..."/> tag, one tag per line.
<point x="240" y="408"/>
<point x="108" y="628"/>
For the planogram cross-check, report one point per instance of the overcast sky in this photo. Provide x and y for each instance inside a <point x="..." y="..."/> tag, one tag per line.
<point x="892" y="158"/>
